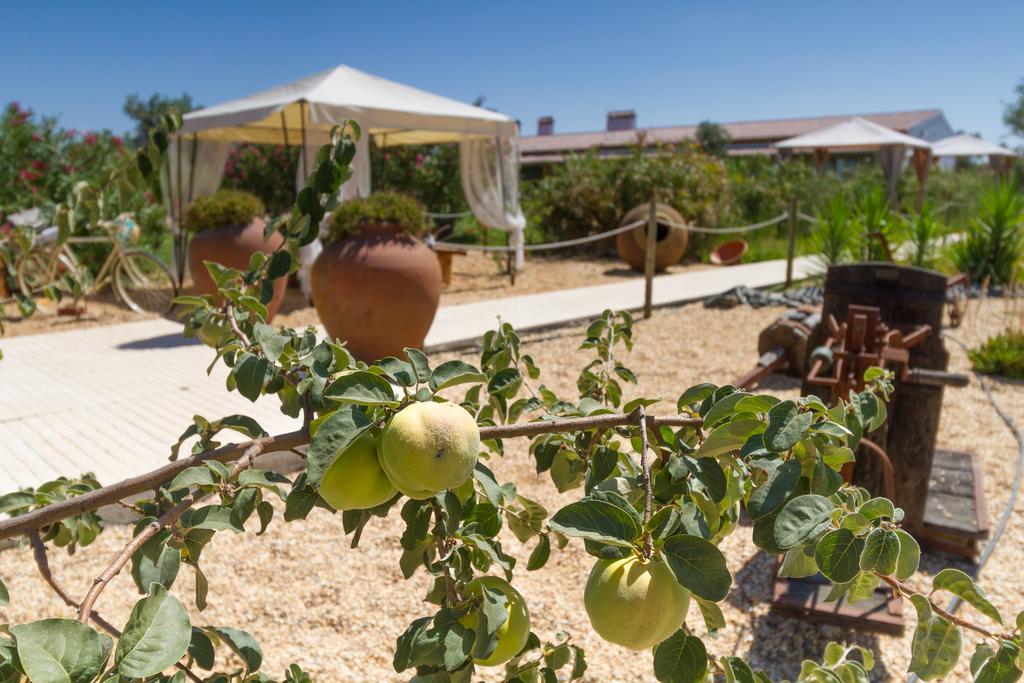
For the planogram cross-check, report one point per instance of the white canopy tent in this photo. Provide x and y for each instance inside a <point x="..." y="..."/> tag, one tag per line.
<point x="860" y="135"/>
<point x="965" y="145"/>
<point x="302" y="114"/>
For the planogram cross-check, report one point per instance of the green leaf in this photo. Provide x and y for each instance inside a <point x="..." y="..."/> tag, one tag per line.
<point x="877" y="508"/>
<point x="694" y="394"/>
<point x="881" y="552"/>
<point x="698" y="565"/>
<point x="680" y="659"/>
<point x="155" y="562"/>
<point x="1000" y="668"/>
<point x="798" y="564"/>
<point x="540" y="554"/>
<point x="453" y="372"/>
<point x="599" y="519"/>
<point x="362" y="388"/>
<point x="242" y="644"/>
<point x="723" y="409"/>
<point x="786" y="426"/>
<point x="910" y="555"/>
<point x="769" y="496"/>
<point x="270" y="341"/>
<point x="157" y="634"/>
<point x="250" y="374"/>
<point x="838" y="555"/>
<point x="801" y="519"/>
<point x="5" y="595"/>
<point x="60" y="651"/>
<point x="492" y="616"/>
<point x="505" y="382"/>
<point x="862" y="587"/>
<point x="729" y="437"/>
<point x="960" y="584"/>
<point x="200" y="648"/>
<point x="937" y="643"/>
<point x="714" y="620"/>
<point x="334" y="435"/>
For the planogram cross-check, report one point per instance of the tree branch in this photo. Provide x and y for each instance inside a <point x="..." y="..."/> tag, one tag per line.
<point x="43" y="563"/>
<point x="229" y="310"/>
<point x="903" y="589"/>
<point x="108" y="495"/>
<point x="152" y="529"/>
<point x="646" y="470"/>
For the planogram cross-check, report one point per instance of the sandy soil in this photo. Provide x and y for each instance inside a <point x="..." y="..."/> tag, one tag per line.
<point x="475" y="276"/>
<point x="309" y="598"/>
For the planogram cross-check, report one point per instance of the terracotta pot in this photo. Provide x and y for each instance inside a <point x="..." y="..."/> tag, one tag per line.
<point x="232" y="247"/>
<point x="671" y="241"/>
<point x="729" y="253"/>
<point x="378" y="291"/>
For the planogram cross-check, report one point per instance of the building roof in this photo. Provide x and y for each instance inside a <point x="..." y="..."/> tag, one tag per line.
<point x="754" y="135"/>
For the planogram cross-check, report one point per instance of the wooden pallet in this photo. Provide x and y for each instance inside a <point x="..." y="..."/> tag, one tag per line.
<point x="955" y="516"/>
<point x="805" y="598"/>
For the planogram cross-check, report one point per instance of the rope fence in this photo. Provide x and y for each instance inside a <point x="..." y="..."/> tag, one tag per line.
<point x="611" y="233"/>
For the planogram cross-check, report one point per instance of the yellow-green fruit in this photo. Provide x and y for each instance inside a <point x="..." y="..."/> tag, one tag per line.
<point x="633" y="604"/>
<point x="564" y="474"/>
<point x="513" y="634"/>
<point x="356" y="481"/>
<point x="429" y="447"/>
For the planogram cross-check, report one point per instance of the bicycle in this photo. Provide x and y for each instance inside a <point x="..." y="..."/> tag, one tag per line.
<point x="139" y="278"/>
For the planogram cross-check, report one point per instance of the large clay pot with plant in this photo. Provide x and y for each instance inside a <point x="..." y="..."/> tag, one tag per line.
<point x="376" y="286"/>
<point x="669" y="246"/>
<point x="227" y="228"/>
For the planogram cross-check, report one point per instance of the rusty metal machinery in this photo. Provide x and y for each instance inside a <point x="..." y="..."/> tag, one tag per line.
<point x="880" y="314"/>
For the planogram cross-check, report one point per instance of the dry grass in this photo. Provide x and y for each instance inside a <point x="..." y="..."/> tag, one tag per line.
<point x="309" y="598"/>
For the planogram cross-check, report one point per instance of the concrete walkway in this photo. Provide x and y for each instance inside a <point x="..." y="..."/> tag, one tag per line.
<point x="112" y="399"/>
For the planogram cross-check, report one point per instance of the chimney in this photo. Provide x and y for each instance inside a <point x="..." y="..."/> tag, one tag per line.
<point x="546" y="125"/>
<point x="622" y="120"/>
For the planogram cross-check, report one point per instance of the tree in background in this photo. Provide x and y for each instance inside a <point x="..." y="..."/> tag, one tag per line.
<point x="713" y="138"/>
<point x="1013" y="114"/>
<point x="146" y="113"/>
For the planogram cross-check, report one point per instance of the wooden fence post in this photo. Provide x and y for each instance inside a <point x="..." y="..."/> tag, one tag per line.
<point x="651" y="248"/>
<point x="792" y="241"/>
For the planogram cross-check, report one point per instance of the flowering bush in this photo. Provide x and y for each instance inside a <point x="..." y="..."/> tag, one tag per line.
<point x="267" y="171"/>
<point x="428" y="173"/>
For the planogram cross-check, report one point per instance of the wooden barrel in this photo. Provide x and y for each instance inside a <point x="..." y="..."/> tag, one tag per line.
<point x="907" y="297"/>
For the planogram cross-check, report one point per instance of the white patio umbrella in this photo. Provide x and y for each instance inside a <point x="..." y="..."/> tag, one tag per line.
<point x="303" y="112"/>
<point x="860" y="135"/>
<point x="964" y="145"/>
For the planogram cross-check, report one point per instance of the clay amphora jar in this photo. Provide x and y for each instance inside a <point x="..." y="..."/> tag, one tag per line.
<point x="232" y="247"/>
<point x="670" y="245"/>
<point x="377" y="290"/>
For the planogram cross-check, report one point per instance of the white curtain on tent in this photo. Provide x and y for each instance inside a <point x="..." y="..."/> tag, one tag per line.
<point x="194" y="169"/>
<point x="892" y="158"/>
<point x="490" y="182"/>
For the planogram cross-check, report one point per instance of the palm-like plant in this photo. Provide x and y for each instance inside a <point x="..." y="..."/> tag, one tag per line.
<point x="835" y="235"/>
<point x="994" y="245"/>
<point x="874" y="218"/>
<point x="922" y="231"/>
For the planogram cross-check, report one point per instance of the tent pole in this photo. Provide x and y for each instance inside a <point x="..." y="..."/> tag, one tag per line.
<point x="305" y="163"/>
<point x="287" y="147"/>
<point x="179" y="235"/>
<point x="192" y="168"/>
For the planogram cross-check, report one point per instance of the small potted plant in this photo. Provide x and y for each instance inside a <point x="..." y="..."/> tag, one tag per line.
<point x="227" y="228"/>
<point x="376" y="286"/>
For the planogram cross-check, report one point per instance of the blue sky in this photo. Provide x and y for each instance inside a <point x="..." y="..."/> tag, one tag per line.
<point x="673" y="62"/>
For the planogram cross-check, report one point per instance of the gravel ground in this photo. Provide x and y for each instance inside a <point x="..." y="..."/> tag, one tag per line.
<point x="475" y="276"/>
<point x="309" y="598"/>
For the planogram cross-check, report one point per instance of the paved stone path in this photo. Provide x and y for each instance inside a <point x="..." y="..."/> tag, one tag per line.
<point x="79" y="401"/>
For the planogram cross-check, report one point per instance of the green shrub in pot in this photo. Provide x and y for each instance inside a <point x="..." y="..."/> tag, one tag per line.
<point x="221" y="209"/>
<point x="381" y="208"/>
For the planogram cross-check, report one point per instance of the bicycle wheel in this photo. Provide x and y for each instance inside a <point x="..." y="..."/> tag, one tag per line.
<point x="144" y="283"/>
<point x="33" y="272"/>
